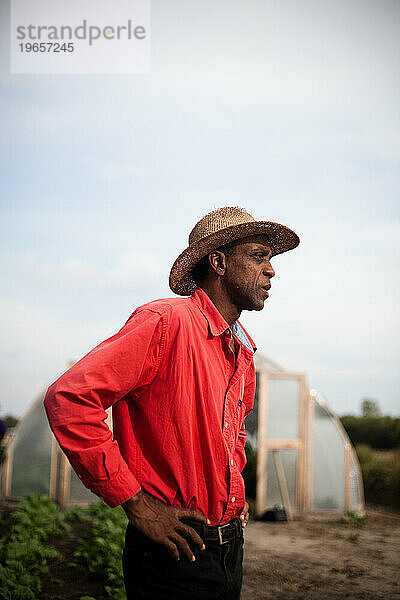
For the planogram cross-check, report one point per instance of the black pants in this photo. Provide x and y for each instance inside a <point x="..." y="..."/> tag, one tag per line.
<point x="151" y="573"/>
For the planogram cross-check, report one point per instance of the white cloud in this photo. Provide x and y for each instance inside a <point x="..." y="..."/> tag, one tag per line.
<point x="132" y="270"/>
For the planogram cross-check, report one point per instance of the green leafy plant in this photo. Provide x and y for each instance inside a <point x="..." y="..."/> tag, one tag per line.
<point x="38" y="515"/>
<point x="355" y="519"/>
<point x="23" y="556"/>
<point x="100" y="548"/>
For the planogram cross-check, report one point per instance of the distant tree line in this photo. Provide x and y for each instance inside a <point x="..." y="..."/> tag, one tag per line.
<point x="379" y="432"/>
<point x="377" y="441"/>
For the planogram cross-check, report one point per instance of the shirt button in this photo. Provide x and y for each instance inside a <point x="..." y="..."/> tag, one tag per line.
<point x="233" y="499"/>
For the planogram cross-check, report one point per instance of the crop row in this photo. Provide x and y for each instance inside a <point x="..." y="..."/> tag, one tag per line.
<point x="26" y="553"/>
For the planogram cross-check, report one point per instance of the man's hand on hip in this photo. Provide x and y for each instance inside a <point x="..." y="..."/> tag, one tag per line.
<point x="245" y="514"/>
<point x="162" y="524"/>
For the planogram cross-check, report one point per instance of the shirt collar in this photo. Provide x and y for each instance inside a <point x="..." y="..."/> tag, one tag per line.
<point x="216" y="321"/>
<point x="243" y="336"/>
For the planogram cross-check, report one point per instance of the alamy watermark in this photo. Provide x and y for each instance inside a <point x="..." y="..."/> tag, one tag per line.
<point x="51" y="36"/>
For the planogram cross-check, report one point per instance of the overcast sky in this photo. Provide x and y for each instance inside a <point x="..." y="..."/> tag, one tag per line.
<point x="289" y="109"/>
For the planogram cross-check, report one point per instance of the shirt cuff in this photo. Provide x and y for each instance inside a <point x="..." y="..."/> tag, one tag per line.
<point x="117" y="490"/>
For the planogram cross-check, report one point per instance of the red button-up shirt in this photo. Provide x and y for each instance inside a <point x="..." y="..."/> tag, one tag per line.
<point x="179" y="396"/>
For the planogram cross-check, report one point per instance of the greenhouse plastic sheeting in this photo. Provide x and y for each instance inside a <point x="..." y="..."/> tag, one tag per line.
<point x="283" y="408"/>
<point x="328" y="462"/>
<point x="32" y="454"/>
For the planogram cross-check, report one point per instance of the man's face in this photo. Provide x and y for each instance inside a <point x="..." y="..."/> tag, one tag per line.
<point x="248" y="272"/>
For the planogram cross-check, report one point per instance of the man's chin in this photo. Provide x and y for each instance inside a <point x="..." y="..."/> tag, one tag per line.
<point x="257" y="306"/>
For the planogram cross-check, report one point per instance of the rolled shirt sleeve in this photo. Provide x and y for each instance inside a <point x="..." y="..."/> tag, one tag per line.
<point x="76" y="403"/>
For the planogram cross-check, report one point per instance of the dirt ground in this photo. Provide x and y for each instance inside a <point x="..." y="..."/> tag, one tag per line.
<point x="318" y="559"/>
<point x="301" y="560"/>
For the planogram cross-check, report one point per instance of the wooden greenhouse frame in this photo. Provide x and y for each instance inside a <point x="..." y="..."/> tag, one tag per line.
<point x="302" y="444"/>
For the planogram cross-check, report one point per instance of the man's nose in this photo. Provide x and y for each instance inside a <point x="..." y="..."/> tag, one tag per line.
<point x="268" y="270"/>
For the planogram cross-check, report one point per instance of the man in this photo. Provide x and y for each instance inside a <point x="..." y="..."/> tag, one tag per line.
<point x="180" y="377"/>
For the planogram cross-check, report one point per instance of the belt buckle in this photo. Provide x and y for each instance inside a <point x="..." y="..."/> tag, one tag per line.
<point x="220" y="528"/>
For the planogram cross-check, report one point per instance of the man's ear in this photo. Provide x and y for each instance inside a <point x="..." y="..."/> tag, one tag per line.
<point x="217" y="261"/>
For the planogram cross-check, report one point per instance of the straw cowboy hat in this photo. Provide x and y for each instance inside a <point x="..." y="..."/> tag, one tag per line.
<point x="218" y="228"/>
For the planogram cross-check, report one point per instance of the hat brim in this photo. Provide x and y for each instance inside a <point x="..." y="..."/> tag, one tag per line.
<point x="280" y="239"/>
